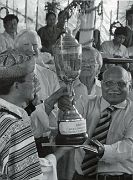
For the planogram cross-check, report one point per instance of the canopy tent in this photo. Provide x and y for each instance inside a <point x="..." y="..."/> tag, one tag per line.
<point x="31" y="14"/>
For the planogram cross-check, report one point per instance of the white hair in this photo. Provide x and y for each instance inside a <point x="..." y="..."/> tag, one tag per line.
<point x="28" y="34"/>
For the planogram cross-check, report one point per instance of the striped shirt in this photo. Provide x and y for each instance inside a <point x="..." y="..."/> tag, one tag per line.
<point x="18" y="153"/>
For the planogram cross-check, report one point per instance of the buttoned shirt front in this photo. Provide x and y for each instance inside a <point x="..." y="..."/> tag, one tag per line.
<point x="118" y="155"/>
<point x="109" y="50"/>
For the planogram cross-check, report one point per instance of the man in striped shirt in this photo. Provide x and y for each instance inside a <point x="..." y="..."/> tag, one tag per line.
<point x="18" y="154"/>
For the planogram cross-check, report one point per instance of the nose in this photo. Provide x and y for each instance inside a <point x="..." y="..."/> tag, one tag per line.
<point x="115" y="86"/>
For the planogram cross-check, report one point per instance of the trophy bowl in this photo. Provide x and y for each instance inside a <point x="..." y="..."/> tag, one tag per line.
<point x="68" y="59"/>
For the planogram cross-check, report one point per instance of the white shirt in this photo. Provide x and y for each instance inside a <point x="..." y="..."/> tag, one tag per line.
<point x="109" y="50"/>
<point x="118" y="155"/>
<point x="6" y="42"/>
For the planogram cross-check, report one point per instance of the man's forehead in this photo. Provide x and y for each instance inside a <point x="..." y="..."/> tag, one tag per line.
<point x="115" y="75"/>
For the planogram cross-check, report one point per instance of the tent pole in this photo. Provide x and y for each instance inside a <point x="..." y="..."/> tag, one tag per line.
<point x="117" y="17"/>
<point x="26" y="13"/>
<point x="110" y="23"/>
<point x="37" y="15"/>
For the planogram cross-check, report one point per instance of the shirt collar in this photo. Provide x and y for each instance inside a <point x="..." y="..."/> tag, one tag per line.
<point x="96" y="83"/>
<point x="105" y="104"/>
<point x="12" y="107"/>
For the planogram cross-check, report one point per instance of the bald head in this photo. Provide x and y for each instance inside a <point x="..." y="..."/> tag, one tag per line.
<point x="116" y="85"/>
<point x="116" y="72"/>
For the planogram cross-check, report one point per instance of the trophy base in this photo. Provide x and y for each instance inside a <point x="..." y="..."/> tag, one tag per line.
<point x="71" y="139"/>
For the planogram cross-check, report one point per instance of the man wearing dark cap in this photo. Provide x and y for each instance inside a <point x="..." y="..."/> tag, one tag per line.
<point x="115" y="47"/>
<point x="10" y="23"/>
<point x="18" y="154"/>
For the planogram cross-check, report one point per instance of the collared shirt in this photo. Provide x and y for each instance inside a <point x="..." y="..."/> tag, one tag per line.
<point x="21" y="137"/>
<point x="118" y="155"/>
<point x="48" y="81"/>
<point x="96" y="88"/>
<point x="16" y="139"/>
<point x="6" y="42"/>
<point x="109" y="50"/>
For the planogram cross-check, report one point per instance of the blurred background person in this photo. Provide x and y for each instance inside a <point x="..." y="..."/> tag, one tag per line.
<point x="91" y="66"/>
<point x="49" y="33"/>
<point x="115" y="47"/>
<point x="10" y="23"/>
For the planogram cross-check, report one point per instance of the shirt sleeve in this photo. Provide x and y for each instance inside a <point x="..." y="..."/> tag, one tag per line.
<point x="3" y="45"/>
<point x="48" y="166"/>
<point x="121" y="150"/>
<point x="18" y="151"/>
<point x="42" y="123"/>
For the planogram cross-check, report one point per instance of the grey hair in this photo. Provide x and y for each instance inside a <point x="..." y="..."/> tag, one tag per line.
<point x="27" y="32"/>
<point x="96" y="55"/>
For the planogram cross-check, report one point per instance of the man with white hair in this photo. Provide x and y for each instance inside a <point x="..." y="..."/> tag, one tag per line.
<point x="91" y="66"/>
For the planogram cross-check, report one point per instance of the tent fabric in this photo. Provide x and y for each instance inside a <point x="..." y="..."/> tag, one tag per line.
<point x="103" y="24"/>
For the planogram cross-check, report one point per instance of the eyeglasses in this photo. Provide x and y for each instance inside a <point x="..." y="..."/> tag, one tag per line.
<point x="110" y="84"/>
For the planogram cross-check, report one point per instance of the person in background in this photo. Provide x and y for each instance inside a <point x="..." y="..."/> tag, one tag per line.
<point x="10" y="23"/>
<point x="91" y="65"/>
<point x="115" y="47"/>
<point x="49" y="33"/>
<point x="28" y="42"/>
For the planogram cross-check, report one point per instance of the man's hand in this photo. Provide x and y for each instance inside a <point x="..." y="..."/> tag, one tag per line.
<point x="96" y="144"/>
<point x="99" y="146"/>
<point x="53" y="99"/>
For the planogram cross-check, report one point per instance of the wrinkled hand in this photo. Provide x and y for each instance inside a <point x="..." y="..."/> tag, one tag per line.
<point x="96" y="144"/>
<point x="53" y="99"/>
<point x="99" y="146"/>
<point x="65" y="103"/>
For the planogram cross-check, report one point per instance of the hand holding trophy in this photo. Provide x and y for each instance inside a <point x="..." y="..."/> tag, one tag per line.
<point x="68" y="59"/>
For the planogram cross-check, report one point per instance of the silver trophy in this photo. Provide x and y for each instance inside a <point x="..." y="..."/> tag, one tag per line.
<point x="68" y="59"/>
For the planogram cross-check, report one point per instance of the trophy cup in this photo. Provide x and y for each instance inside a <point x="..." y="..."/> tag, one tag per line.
<point x="67" y="56"/>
